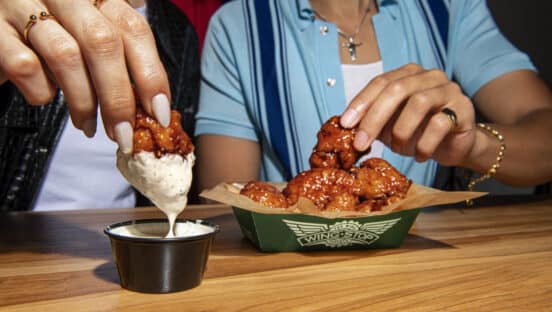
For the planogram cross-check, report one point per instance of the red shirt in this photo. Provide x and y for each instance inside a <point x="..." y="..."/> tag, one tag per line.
<point x="199" y="12"/>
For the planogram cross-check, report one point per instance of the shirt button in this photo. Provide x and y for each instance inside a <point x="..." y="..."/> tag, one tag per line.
<point x="330" y="82"/>
<point x="324" y="30"/>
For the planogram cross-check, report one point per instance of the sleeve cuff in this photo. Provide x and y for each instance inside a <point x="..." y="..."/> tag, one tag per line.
<point x="210" y="127"/>
<point x="488" y="73"/>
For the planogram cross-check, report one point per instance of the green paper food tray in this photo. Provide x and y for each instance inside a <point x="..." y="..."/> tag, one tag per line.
<point x="300" y="232"/>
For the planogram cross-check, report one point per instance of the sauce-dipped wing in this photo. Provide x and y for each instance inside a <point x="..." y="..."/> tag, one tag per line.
<point x="334" y="148"/>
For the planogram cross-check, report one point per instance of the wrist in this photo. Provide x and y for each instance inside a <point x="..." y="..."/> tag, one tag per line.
<point x="487" y="157"/>
<point x="484" y="151"/>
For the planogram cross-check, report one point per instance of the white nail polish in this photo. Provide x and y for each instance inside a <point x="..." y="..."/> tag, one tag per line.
<point x="124" y="136"/>
<point x="362" y="141"/>
<point x="89" y="127"/>
<point x="161" y="109"/>
<point x="349" y="118"/>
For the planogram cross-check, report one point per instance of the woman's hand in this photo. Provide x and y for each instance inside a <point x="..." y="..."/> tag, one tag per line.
<point x="404" y="109"/>
<point x="94" y="54"/>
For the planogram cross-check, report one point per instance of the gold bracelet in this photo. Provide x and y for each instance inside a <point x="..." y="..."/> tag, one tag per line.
<point x="494" y="168"/>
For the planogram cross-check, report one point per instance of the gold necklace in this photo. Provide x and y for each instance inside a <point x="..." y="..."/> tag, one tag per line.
<point x="350" y="43"/>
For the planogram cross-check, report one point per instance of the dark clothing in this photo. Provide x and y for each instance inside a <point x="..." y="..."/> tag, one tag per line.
<point x="29" y="134"/>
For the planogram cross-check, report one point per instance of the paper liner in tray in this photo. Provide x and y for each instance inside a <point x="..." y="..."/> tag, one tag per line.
<point x="418" y="196"/>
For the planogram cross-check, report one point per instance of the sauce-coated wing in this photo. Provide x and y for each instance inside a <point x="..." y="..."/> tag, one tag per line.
<point x="377" y="183"/>
<point x="265" y="194"/>
<point x="150" y="136"/>
<point x="327" y="188"/>
<point x="335" y="146"/>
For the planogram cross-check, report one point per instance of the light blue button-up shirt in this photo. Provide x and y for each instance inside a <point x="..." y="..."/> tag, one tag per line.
<point x="271" y="72"/>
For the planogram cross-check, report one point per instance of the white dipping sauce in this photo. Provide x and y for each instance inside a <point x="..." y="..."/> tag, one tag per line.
<point x="158" y="230"/>
<point x="165" y="180"/>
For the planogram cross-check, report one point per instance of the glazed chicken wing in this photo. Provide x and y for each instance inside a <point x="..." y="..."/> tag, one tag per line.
<point x="150" y="136"/>
<point x="327" y="188"/>
<point x="335" y="146"/>
<point x="377" y="183"/>
<point x="264" y="193"/>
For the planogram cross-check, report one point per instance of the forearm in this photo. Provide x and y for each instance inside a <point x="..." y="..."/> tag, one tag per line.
<point x="226" y="159"/>
<point x="528" y="156"/>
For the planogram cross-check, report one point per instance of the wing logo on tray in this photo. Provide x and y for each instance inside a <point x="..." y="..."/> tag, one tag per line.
<point x="339" y="234"/>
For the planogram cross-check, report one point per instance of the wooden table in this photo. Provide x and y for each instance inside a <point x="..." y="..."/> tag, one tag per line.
<point x="493" y="257"/>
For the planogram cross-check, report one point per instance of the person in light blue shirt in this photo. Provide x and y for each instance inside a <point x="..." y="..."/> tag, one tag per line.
<point x="408" y="73"/>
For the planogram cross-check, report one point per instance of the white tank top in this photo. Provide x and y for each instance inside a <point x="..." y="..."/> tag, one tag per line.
<point x="355" y="78"/>
<point x="82" y="174"/>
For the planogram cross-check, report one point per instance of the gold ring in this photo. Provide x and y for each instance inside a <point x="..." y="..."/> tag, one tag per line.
<point x="97" y="3"/>
<point x="33" y="19"/>
<point x="451" y="116"/>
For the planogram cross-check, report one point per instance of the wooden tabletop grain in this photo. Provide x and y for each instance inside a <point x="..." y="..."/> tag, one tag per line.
<point x="495" y="257"/>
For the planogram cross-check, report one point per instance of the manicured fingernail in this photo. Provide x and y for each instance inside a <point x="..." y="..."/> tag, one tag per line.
<point x="161" y="109"/>
<point x="123" y="136"/>
<point x="362" y="141"/>
<point x="349" y="118"/>
<point x="89" y="127"/>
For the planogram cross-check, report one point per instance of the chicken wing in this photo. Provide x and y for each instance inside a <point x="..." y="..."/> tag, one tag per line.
<point x="150" y="136"/>
<point x="378" y="183"/>
<point x="335" y="146"/>
<point x="264" y="193"/>
<point x="327" y="188"/>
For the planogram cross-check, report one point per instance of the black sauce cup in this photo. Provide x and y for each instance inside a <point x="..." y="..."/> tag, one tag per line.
<point x="158" y="264"/>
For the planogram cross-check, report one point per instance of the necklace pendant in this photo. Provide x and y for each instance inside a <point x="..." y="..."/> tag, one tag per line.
<point x="351" y="45"/>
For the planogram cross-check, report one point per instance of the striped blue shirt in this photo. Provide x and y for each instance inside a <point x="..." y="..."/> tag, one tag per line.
<point x="272" y="74"/>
